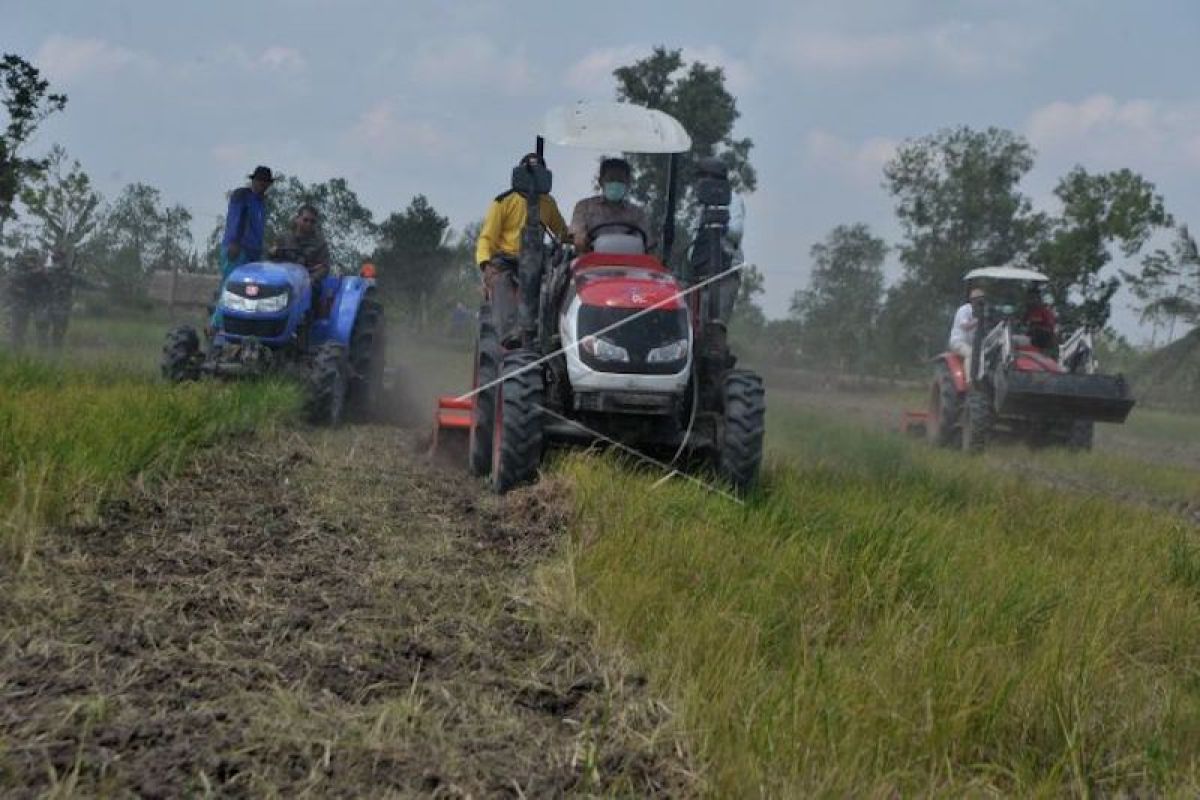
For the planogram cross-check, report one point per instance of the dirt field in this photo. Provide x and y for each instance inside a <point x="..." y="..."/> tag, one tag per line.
<point x="322" y="614"/>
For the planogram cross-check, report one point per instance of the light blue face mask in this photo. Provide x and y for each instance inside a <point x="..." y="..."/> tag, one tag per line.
<point x="614" y="191"/>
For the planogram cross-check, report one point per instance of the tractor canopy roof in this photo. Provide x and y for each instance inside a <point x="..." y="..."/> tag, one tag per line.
<point x="615" y="127"/>
<point x="1005" y="274"/>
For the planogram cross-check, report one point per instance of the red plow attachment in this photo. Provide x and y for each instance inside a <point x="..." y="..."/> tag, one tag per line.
<point x="452" y="428"/>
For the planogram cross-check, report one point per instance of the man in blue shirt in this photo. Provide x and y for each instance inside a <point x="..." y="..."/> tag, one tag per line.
<point x="245" y="225"/>
<point x="245" y="222"/>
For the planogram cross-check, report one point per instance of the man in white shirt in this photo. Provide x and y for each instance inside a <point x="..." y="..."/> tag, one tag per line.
<point x="962" y="332"/>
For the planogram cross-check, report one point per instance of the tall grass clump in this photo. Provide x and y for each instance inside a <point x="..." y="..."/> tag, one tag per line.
<point x="69" y="436"/>
<point x="879" y="620"/>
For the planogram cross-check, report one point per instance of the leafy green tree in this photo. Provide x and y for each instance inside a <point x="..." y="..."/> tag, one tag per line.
<point x="137" y="235"/>
<point x="749" y="321"/>
<point x="695" y="95"/>
<point x="1168" y="285"/>
<point x="63" y="204"/>
<point x="414" y="256"/>
<point x="462" y="283"/>
<point x="348" y="225"/>
<point x="1117" y="209"/>
<point x="958" y="203"/>
<point x="839" y="310"/>
<point x="27" y="100"/>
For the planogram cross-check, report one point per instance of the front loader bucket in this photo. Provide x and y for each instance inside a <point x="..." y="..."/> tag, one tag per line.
<point x="1100" y="398"/>
<point x="452" y="429"/>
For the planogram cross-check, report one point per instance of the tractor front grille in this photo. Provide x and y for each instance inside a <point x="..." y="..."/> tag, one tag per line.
<point x="261" y="328"/>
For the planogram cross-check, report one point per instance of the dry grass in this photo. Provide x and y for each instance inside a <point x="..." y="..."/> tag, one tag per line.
<point x="318" y="615"/>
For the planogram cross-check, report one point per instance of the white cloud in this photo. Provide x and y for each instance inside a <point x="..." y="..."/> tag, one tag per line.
<point x="592" y="74"/>
<point x="472" y="61"/>
<point x="65" y="59"/>
<point x="862" y="162"/>
<point x="283" y="59"/>
<point x="384" y="131"/>
<point x="961" y="49"/>
<point x="1112" y="133"/>
<point x="231" y="154"/>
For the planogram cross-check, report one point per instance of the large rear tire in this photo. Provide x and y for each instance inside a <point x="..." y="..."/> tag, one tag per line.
<point x="368" y="351"/>
<point x="739" y="457"/>
<point x="517" y="435"/>
<point x="1081" y="434"/>
<point x="328" y="385"/>
<point x="181" y="355"/>
<point x="944" y="406"/>
<point x="977" y="425"/>
<point x="483" y="415"/>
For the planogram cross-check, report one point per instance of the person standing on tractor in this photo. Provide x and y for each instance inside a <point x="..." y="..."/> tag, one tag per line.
<point x="610" y="207"/>
<point x="499" y="242"/>
<point x="60" y="286"/>
<point x="966" y="321"/>
<point x="305" y="243"/>
<point x="1040" y="320"/>
<point x="245" y="225"/>
<point x="27" y="288"/>
<point x="245" y="222"/>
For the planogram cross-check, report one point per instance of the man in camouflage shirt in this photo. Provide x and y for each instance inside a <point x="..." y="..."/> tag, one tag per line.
<point x="305" y="244"/>
<point x="27" y="289"/>
<point x="610" y="207"/>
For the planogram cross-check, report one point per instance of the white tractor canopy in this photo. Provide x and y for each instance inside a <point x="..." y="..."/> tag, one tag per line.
<point x="1006" y="274"/>
<point x="615" y="127"/>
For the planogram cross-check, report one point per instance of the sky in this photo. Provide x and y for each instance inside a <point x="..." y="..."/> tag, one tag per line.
<point x="440" y="98"/>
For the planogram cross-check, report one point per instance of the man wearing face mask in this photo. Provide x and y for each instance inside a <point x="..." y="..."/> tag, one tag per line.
<point x="610" y="207"/>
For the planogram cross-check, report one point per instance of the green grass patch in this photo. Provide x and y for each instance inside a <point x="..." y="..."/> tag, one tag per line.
<point x="1164" y="426"/>
<point x="881" y="619"/>
<point x="1126" y="473"/>
<point x="69" y="436"/>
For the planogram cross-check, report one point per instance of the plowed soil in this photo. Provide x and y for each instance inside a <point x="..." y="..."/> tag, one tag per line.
<point x="322" y="614"/>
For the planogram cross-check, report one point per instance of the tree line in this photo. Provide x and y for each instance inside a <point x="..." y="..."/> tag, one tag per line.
<point x="957" y="199"/>
<point x="960" y="207"/>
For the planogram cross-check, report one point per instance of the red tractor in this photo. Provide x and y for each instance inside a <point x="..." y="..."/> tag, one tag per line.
<point x="612" y="346"/>
<point x="1016" y="388"/>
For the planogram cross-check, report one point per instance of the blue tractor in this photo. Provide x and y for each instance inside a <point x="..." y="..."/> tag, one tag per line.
<point x="273" y="320"/>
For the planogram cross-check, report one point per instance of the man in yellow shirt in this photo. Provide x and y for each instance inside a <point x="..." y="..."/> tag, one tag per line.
<point x="499" y="243"/>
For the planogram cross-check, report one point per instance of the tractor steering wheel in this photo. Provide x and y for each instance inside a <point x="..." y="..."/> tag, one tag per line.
<point x="290" y="255"/>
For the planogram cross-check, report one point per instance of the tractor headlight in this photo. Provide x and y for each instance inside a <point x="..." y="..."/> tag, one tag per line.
<point x="254" y="305"/>
<point x="675" y="351"/>
<point x="603" y="349"/>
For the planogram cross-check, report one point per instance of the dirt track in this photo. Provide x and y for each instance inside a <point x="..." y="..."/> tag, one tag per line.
<point x="322" y="613"/>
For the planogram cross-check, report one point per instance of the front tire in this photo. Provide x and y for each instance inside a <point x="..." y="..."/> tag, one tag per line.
<point x="181" y="355"/>
<point x="328" y="385"/>
<point x="368" y="351"/>
<point x="739" y="456"/>
<point x="517" y="435"/>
